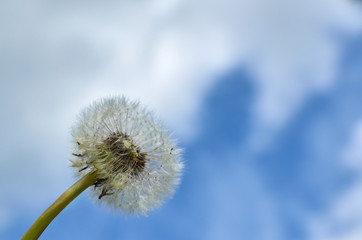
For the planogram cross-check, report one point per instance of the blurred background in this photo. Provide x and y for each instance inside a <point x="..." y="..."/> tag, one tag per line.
<point x="264" y="96"/>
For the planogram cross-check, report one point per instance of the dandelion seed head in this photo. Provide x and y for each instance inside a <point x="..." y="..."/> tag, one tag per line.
<point x="136" y="161"/>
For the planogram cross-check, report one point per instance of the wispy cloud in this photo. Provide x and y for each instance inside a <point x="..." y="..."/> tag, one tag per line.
<point x="343" y="220"/>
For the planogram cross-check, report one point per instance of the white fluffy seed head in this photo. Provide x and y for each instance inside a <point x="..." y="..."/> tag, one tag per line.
<point x="136" y="161"/>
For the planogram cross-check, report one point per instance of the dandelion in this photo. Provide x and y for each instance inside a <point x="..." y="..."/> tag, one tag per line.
<point x="127" y="157"/>
<point x="136" y="162"/>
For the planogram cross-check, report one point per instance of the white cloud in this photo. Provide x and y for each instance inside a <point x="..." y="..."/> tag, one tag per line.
<point x="158" y="50"/>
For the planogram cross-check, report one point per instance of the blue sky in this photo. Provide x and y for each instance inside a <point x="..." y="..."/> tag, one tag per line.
<point x="265" y="99"/>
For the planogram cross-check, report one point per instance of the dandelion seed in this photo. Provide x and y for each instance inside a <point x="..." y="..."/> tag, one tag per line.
<point x="136" y="162"/>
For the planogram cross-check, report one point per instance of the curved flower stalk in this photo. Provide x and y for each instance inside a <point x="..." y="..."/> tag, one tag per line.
<point x="125" y="154"/>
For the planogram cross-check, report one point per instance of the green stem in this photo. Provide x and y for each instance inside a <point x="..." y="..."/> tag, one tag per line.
<point x="43" y="221"/>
